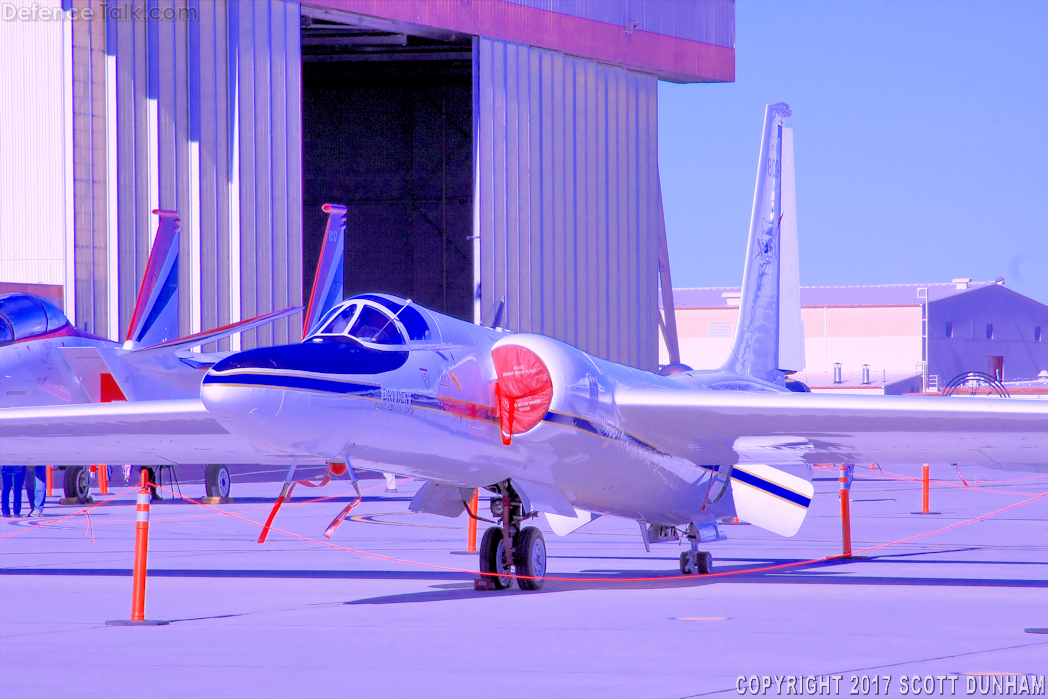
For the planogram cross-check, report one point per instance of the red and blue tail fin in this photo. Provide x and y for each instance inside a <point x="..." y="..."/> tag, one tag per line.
<point x="328" y="284"/>
<point x="155" y="319"/>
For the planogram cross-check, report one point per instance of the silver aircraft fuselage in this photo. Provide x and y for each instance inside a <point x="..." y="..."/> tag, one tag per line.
<point x="428" y="409"/>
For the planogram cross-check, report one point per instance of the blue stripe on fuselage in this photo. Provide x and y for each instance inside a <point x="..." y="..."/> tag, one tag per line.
<point x="602" y="430"/>
<point x="332" y="356"/>
<point x="296" y="382"/>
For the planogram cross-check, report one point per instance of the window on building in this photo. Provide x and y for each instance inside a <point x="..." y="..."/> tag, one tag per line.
<point x="720" y="329"/>
<point x="949" y="328"/>
<point x="989" y="331"/>
<point x="1037" y="333"/>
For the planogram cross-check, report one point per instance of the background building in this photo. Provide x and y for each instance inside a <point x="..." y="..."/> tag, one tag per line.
<point x="491" y="154"/>
<point x="910" y="336"/>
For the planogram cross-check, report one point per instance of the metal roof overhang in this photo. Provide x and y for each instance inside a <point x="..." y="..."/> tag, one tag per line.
<point x="667" y="57"/>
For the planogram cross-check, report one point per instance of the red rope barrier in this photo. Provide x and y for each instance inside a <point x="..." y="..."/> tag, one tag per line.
<point x="434" y="566"/>
<point x="73" y="514"/>
<point x="764" y="569"/>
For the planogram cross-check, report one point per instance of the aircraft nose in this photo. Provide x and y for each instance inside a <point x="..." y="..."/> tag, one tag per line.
<point x="239" y="393"/>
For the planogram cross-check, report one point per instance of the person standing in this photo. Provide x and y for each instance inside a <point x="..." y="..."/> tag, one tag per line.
<point x="36" y="489"/>
<point x="13" y="476"/>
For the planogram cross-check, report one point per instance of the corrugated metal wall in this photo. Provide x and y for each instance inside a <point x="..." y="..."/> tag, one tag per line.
<point x="192" y="106"/>
<point x="32" y="148"/>
<point x="89" y="174"/>
<point x="567" y="199"/>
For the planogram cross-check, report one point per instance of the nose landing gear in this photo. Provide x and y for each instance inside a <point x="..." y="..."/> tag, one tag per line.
<point x="526" y="550"/>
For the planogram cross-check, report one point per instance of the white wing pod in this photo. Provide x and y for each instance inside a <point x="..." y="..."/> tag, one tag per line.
<point x="770" y="498"/>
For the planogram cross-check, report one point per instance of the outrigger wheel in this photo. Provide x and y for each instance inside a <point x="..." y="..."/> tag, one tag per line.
<point x="529" y="550"/>
<point x="216" y="481"/>
<point x="77" y="484"/>
<point x="493" y="558"/>
<point x="700" y="562"/>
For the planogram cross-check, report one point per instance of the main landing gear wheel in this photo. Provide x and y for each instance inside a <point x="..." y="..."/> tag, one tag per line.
<point x="493" y="558"/>
<point x="217" y="481"/>
<point x="692" y="562"/>
<point x="529" y="550"/>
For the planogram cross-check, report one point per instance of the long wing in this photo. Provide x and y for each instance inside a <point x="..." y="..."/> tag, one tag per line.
<point x="703" y="426"/>
<point x="141" y="432"/>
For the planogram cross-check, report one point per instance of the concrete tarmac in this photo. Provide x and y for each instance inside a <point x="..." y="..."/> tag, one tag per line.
<point x="298" y="618"/>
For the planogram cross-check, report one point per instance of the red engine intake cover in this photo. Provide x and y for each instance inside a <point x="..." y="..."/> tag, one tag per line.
<point x="523" y="388"/>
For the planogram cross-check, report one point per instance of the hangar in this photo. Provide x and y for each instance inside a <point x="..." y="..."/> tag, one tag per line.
<point x="499" y="159"/>
<point x="886" y="338"/>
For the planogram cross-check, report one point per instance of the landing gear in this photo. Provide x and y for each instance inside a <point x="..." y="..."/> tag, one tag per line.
<point x="529" y="553"/>
<point x="695" y="561"/>
<point x="493" y="559"/>
<point x="526" y="552"/>
<point x="217" y="481"/>
<point x="77" y="485"/>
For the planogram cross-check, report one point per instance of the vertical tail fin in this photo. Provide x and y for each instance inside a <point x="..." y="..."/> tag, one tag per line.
<point x="769" y="310"/>
<point x="328" y="282"/>
<point x="791" y="328"/>
<point x="155" y="318"/>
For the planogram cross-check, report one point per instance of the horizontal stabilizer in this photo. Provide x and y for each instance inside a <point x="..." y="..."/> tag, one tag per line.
<point x="562" y="526"/>
<point x="770" y="498"/>
<point x="209" y="335"/>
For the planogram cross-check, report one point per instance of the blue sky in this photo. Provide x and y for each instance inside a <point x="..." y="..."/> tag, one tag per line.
<point x="921" y="139"/>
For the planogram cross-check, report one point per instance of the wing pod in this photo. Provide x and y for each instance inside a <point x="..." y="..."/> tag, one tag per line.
<point x="770" y="498"/>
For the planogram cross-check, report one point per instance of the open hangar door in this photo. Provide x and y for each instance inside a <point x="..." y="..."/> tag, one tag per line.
<point x="387" y="122"/>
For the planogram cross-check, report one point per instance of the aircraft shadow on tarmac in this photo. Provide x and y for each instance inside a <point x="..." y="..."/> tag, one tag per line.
<point x="661" y="579"/>
<point x="453" y="586"/>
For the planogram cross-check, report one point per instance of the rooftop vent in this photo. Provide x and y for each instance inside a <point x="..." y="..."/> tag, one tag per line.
<point x="962" y="283"/>
<point x="732" y="298"/>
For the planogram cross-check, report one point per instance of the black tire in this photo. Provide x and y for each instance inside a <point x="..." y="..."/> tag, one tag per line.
<point x="217" y="481"/>
<point x="684" y="564"/>
<point x="77" y="483"/>
<point x="529" y="553"/>
<point x="705" y="563"/>
<point x="492" y="559"/>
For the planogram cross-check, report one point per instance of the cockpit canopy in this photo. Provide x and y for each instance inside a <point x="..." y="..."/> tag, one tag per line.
<point x="24" y="316"/>
<point x="374" y="320"/>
